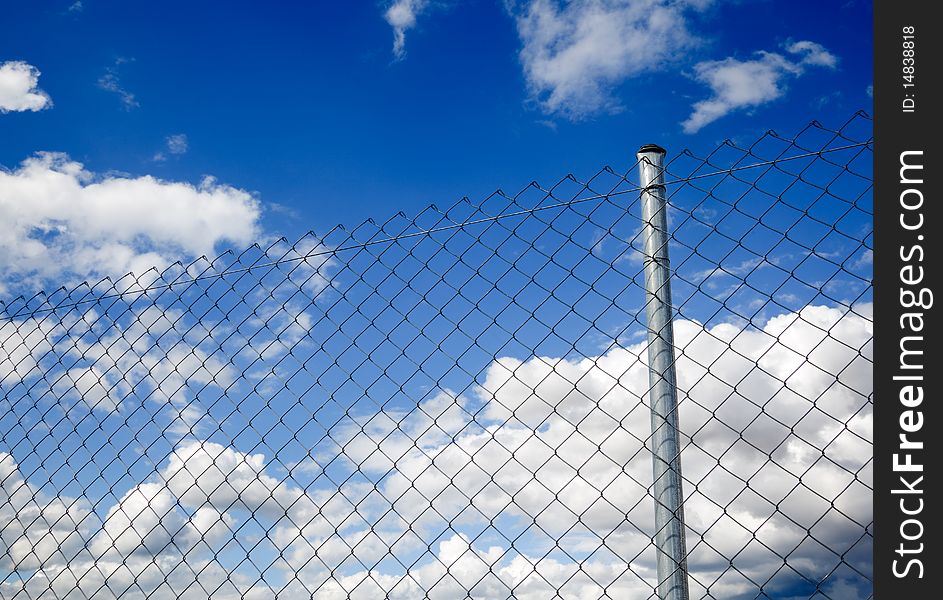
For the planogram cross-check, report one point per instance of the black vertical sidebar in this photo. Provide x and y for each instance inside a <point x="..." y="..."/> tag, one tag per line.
<point x="908" y="423"/>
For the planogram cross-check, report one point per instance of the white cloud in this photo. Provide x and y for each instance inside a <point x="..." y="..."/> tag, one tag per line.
<point x="811" y="53"/>
<point x="771" y="453"/>
<point x="37" y="529"/>
<point x="88" y="385"/>
<point x="575" y="54"/>
<point x="21" y="344"/>
<point x="138" y="550"/>
<point x="18" y="91"/>
<point x="176" y="144"/>
<point x="527" y="460"/>
<point x="63" y="221"/>
<point x="153" y="359"/>
<point x="865" y="260"/>
<point x="111" y="82"/>
<point x="402" y="15"/>
<point x="739" y="84"/>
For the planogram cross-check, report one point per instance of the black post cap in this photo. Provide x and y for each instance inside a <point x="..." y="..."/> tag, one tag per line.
<point x="652" y="148"/>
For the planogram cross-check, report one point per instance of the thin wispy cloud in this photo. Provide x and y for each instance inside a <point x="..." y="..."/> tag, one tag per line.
<point x="19" y="91"/>
<point x="402" y="15"/>
<point x="176" y="144"/>
<point x="743" y="84"/>
<point x="283" y="209"/>
<point x="111" y="82"/>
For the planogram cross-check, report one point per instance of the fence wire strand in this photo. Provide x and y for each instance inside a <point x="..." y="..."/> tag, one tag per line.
<point x="456" y="405"/>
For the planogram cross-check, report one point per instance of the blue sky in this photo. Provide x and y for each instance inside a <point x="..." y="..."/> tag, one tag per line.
<point x="306" y="105"/>
<point x="241" y="425"/>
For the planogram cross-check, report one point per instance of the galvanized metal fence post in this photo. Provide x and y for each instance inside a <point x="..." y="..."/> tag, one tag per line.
<point x="666" y="446"/>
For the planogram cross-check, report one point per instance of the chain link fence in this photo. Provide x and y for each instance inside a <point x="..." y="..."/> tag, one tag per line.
<point x="458" y="405"/>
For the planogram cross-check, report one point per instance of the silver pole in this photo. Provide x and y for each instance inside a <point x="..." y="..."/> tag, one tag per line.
<point x="666" y="447"/>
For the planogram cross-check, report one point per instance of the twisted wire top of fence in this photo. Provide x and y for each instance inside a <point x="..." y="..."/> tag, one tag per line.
<point x="456" y="404"/>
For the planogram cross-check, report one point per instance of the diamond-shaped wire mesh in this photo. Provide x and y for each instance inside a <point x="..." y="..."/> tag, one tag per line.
<point x="456" y="405"/>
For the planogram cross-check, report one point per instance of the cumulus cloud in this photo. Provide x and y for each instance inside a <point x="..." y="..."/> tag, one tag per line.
<point x="402" y="15"/>
<point x="21" y="344"/>
<point x="551" y="451"/>
<point x="37" y="529"/>
<point x="574" y="54"/>
<point x="136" y="551"/>
<point x="63" y="221"/>
<point x="18" y="88"/>
<point x="740" y="84"/>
